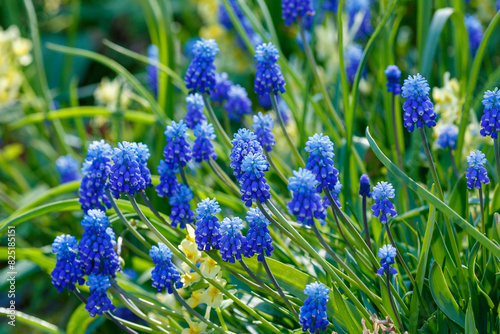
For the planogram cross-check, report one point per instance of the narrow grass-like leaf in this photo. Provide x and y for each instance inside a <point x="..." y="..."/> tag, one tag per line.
<point x="34" y="322"/>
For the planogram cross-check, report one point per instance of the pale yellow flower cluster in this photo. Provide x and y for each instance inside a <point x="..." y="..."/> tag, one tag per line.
<point x="15" y="53"/>
<point x="107" y="92"/>
<point x="210" y="296"/>
<point x="194" y="327"/>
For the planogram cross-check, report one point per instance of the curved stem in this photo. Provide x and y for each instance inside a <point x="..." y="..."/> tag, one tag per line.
<point x="213" y="165"/>
<point x="365" y="222"/>
<point x="388" y="281"/>
<point x="273" y="165"/>
<point x="221" y="318"/>
<point x="277" y="286"/>
<point x="253" y="276"/>
<point x="393" y="243"/>
<point x="146" y="200"/>
<point x="196" y="314"/>
<point x="283" y="128"/>
<point x="183" y="176"/>
<point x="435" y="177"/>
<point x="274" y="221"/>
<point x="497" y="156"/>
<point x="223" y="135"/>
<point x="107" y="314"/>
<point x="453" y="164"/>
<point x="395" y="130"/>
<point x="126" y="221"/>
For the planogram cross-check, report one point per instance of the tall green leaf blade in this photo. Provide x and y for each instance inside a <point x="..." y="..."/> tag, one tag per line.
<point x="32" y="321"/>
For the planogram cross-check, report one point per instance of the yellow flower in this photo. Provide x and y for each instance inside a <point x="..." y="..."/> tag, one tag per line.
<point x="189" y="278"/>
<point x="447" y="102"/>
<point x="194" y="327"/>
<point x="107" y="93"/>
<point x="22" y="47"/>
<point x="209" y="267"/>
<point x="215" y="31"/>
<point x="195" y="299"/>
<point x="212" y="296"/>
<point x="189" y="247"/>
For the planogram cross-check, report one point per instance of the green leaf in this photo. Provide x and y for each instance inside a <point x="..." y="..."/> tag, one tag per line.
<point x="32" y="321"/>
<point x="470" y="324"/>
<point x="443" y="297"/>
<point x="426" y="195"/>
<point x="459" y="200"/>
<point x="79" y="321"/>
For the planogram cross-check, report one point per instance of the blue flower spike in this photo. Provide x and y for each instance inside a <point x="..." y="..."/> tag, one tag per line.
<point x="382" y="194"/>
<point x="181" y="213"/>
<point x="320" y="161"/>
<point x="200" y="75"/>
<point x="476" y="173"/>
<point x="387" y="255"/>
<point x="291" y="10"/>
<point x="418" y="108"/>
<point x="238" y="104"/>
<point x="95" y="170"/>
<point x="67" y="272"/>
<point x="68" y="167"/>
<point x="152" y="70"/>
<point x="393" y="75"/>
<point x="306" y="203"/>
<point x="258" y="238"/>
<point x="207" y="232"/>
<point x="448" y="137"/>
<point x="177" y="152"/>
<point x="364" y="186"/>
<point x="263" y="126"/>
<point x="268" y="78"/>
<point x="165" y="275"/>
<point x="95" y="249"/>
<point x="244" y="143"/>
<point x="98" y="301"/>
<point x="313" y="315"/>
<point x="168" y="180"/>
<point x="232" y="244"/>
<point x="490" y="121"/>
<point x="221" y="89"/>
<point x="194" y="113"/>
<point x="474" y="32"/>
<point x="253" y="182"/>
<point x="203" y="148"/>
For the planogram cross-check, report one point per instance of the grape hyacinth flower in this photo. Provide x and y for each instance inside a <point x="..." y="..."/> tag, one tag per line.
<point x="168" y="180"/>
<point x="67" y="271"/>
<point x="194" y="114"/>
<point x="387" y="253"/>
<point x="200" y="75"/>
<point x="448" y="137"/>
<point x="99" y="301"/>
<point x="490" y="121"/>
<point x="67" y="166"/>
<point x="268" y="78"/>
<point x="474" y="32"/>
<point x="221" y="88"/>
<point x="181" y="212"/>
<point x="253" y="183"/>
<point x="382" y="193"/>
<point x="364" y="186"/>
<point x="244" y="143"/>
<point x="143" y="156"/>
<point x="476" y="173"/>
<point x="95" y="170"/>
<point x="335" y="195"/>
<point x="263" y="126"/>
<point x="258" y="238"/>
<point x="232" y="244"/>
<point x="418" y="108"/>
<point x="165" y="275"/>
<point x="393" y="75"/>
<point x="177" y="151"/>
<point x="203" y="148"/>
<point x="207" y="232"/>
<point x="225" y="20"/>
<point x="96" y="247"/>
<point x="353" y="55"/>
<point x="306" y="203"/>
<point x="292" y="10"/>
<point x="320" y="161"/>
<point x="238" y="104"/>
<point x="313" y="316"/>
<point x="353" y="7"/>
<point x="152" y="70"/>
<point x="127" y="173"/>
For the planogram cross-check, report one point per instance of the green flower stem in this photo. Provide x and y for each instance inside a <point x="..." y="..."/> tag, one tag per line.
<point x="497" y="156"/>
<point x="216" y="169"/>
<point x="395" y="130"/>
<point x="196" y="314"/>
<point x="126" y="221"/>
<point x="306" y="246"/>
<point x="108" y="315"/>
<point x="273" y="166"/>
<point x="219" y="287"/>
<point x="388" y="281"/>
<point x="453" y="164"/>
<point x="252" y="275"/>
<point x="253" y="285"/>
<point x="276" y="109"/>
<point x="183" y="176"/>
<point x="151" y="207"/>
<point x="365" y="223"/>
<point x="221" y="133"/>
<point x="483" y="225"/>
<point x="317" y="77"/>
<point x="221" y="318"/>
<point x="275" y="223"/>
<point x="400" y="257"/>
<point x="278" y="288"/>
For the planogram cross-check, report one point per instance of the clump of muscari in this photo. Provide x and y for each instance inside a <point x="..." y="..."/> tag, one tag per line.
<point x="418" y="108"/>
<point x="313" y="317"/>
<point x="194" y="113"/>
<point x="387" y="253"/>
<point x="263" y="126"/>
<point x="98" y="301"/>
<point x="203" y="148"/>
<point x="268" y="78"/>
<point x="254" y="187"/>
<point x="67" y="166"/>
<point x="207" y="232"/>
<point x="181" y="213"/>
<point x="490" y="121"/>
<point x="292" y="10"/>
<point x="177" y="152"/>
<point x="306" y="203"/>
<point x="238" y="104"/>
<point x="258" y="239"/>
<point x="393" y="75"/>
<point x="320" y="161"/>
<point x="165" y="275"/>
<point x="168" y="180"/>
<point x="382" y="194"/>
<point x="200" y="75"/>
<point x="476" y="173"/>
<point x="244" y="143"/>
<point x="221" y="89"/>
<point x="448" y="137"/>
<point x="232" y="244"/>
<point x="67" y="271"/>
